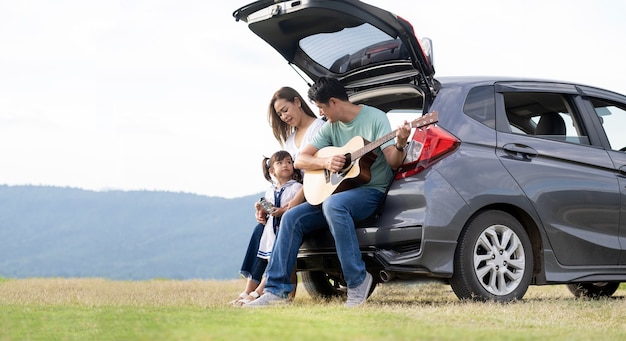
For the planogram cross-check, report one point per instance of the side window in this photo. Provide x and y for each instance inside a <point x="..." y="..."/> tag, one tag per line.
<point x="613" y="119"/>
<point x="480" y="105"/>
<point x="544" y="115"/>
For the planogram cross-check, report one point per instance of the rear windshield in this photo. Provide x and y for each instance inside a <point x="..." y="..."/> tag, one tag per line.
<point x="352" y="47"/>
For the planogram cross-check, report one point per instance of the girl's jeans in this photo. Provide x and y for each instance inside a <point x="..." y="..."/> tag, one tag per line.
<point x="252" y="266"/>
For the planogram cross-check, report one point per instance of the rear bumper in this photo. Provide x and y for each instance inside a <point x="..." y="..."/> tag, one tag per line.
<point x="400" y="252"/>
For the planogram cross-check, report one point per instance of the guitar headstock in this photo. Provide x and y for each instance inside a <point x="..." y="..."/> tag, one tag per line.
<point x="426" y="119"/>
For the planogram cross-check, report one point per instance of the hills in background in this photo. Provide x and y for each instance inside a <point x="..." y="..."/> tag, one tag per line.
<point x="122" y="235"/>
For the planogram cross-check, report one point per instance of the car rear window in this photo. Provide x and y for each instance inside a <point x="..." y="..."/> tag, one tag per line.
<point x="480" y="105"/>
<point x="352" y="47"/>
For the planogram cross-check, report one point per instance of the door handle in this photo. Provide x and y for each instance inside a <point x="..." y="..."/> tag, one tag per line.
<point x="519" y="151"/>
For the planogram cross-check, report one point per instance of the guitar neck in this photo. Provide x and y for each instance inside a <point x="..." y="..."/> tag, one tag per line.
<point x="373" y="145"/>
<point x="427" y="119"/>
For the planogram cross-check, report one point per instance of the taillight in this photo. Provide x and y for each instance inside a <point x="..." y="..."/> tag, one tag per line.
<point x="428" y="145"/>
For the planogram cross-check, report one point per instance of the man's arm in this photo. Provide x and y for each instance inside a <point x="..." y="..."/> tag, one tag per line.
<point x="307" y="161"/>
<point x="395" y="154"/>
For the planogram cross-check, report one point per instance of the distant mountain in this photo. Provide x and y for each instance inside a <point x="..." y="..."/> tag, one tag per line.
<point x="67" y="232"/>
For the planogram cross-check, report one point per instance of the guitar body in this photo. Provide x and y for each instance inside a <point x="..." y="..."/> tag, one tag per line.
<point x="319" y="184"/>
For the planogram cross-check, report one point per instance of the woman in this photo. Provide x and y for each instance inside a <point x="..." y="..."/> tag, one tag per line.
<point x="293" y="124"/>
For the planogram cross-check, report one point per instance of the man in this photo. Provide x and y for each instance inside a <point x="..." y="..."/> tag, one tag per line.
<point x="340" y="210"/>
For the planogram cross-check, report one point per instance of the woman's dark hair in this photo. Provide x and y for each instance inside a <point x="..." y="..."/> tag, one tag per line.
<point x="325" y="88"/>
<point x="281" y="129"/>
<point x="280" y="155"/>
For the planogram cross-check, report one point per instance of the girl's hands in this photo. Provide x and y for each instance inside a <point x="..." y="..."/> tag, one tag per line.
<point x="260" y="214"/>
<point x="279" y="211"/>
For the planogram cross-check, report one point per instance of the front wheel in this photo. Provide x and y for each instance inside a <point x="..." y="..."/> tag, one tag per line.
<point x="493" y="260"/>
<point x="593" y="289"/>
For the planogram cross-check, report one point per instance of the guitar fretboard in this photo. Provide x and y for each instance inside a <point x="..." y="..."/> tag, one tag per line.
<point x="425" y="120"/>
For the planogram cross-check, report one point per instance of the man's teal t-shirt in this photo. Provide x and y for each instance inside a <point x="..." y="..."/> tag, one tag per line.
<point x="370" y="124"/>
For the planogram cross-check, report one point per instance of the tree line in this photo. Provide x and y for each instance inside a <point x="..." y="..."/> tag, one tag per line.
<point x="50" y="231"/>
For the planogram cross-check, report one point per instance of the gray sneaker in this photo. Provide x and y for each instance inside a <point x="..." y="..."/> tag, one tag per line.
<point x="266" y="300"/>
<point x="358" y="295"/>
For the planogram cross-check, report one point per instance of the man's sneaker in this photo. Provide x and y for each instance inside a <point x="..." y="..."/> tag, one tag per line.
<point x="266" y="300"/>
<point x="358" y="295"/>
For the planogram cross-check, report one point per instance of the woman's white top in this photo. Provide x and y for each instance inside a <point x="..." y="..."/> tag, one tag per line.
<point x="290" y="144"/>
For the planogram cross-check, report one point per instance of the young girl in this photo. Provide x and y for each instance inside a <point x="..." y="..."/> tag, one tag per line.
<point x="286" y="184"/>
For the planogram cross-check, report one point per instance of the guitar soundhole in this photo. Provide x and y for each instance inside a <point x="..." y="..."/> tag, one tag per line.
<point x="348" y="160"/>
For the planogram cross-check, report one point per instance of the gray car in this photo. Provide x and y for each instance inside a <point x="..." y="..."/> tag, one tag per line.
<point x="520" y="182"/>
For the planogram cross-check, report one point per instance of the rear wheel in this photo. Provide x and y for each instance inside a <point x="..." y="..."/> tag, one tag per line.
<point x="493" y="260"/>
<point x="322" y="285"/>
<point x="593" y="289"/>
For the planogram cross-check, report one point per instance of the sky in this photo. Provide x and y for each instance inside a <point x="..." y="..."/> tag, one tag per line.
<point x="172" y="95"/>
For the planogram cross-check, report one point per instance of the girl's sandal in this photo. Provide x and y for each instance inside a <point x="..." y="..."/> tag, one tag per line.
<point x="249" y="298"/>
<point x="241" y="297"/>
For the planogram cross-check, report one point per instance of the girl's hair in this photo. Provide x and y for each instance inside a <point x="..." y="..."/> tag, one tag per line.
<point x="281" y="129"/>
<point x="280" y="155"/>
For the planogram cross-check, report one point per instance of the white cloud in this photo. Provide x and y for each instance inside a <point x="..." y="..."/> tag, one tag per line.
<point x="172" y="95"/>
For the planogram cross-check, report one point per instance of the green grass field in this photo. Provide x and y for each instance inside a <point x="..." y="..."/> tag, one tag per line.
<point x="97" y="309"/>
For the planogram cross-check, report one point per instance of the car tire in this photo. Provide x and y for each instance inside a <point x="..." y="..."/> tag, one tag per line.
<point x="325" y="286"/>
<point x="593" y="289"/>
<point x="493" y="259"/>
<point x="322" y="285"/>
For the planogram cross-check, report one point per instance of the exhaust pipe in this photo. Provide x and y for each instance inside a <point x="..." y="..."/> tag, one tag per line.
<point x="386" y="276"/>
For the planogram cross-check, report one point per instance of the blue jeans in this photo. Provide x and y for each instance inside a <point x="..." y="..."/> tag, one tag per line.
<point x="338" y="212"/>
<point x="252" y="267"/>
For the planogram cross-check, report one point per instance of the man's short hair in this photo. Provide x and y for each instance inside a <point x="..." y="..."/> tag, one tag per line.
<point x="325" y="88"/>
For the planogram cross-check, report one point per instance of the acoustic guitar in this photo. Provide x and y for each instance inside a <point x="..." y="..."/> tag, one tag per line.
<point x="319" y="184"/>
